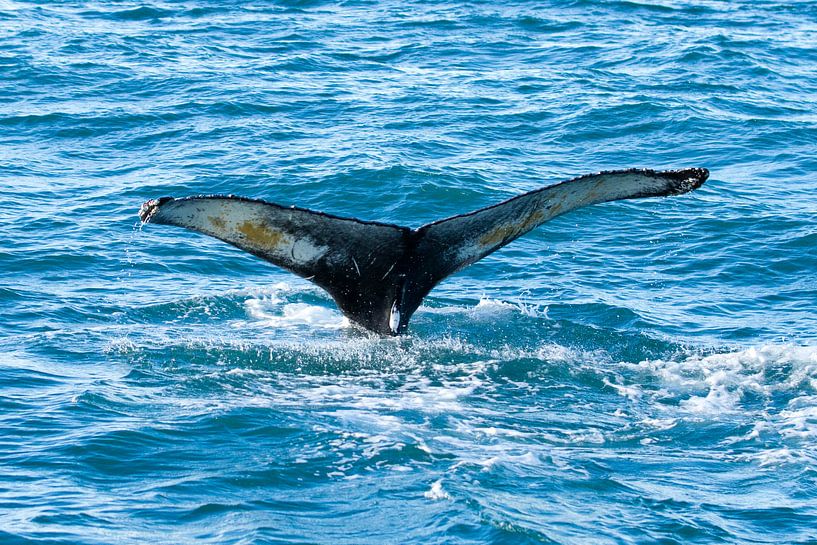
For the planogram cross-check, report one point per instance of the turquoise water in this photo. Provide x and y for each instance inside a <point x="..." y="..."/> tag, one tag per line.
<point x="638" y="372"/>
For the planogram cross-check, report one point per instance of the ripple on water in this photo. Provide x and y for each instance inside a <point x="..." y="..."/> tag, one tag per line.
<point x="639" y="372"/>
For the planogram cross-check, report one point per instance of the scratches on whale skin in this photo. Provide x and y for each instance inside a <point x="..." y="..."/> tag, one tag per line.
<point x="389" y="271"/>
<point x="262" y="236"/>
<point x="507" y="231"/>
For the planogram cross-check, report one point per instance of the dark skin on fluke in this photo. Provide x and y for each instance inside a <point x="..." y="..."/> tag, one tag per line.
<point x="379" y="273"/>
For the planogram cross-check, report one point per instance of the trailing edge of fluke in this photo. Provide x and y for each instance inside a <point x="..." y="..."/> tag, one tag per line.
<point x="379" y="273"/>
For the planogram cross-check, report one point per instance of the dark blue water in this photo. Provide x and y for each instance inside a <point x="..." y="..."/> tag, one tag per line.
<point x="638" y="372"/>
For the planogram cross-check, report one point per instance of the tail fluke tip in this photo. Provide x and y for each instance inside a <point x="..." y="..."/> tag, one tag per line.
<point x="149" y="208"/>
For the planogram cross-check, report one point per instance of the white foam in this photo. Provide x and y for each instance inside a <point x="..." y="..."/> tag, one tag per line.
<point x="436" y="492"/>
<point x="772" y="388"/>
<point x="632" y="393"/>
<point x="720" y="382"/>
<point x="773" y="457"/>
<point x="800" y="422"/>
<point x="388" y="392"/>
<point x="661" y="424"/>
<point x="587" y="436"/>
<point x="718" y="400"/>
<point x="493" y="431"/>
<point x="488" y="308"/>
<point x="275" y="313"/>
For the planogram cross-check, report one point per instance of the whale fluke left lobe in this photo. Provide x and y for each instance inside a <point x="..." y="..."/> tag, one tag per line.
<point x="357" y="262"/>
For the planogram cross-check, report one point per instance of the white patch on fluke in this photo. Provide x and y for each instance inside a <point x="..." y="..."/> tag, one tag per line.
<point x="394" y="318"/>
<point x="304" y="251"/>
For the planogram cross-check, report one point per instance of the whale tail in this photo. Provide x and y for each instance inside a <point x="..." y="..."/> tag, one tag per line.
<point x="379" y="273"/>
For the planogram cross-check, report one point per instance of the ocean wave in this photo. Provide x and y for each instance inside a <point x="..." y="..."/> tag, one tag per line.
<point x="640" y="371"/>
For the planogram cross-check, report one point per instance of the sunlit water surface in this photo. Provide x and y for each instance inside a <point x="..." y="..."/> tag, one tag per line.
<point x="640" y="372"/>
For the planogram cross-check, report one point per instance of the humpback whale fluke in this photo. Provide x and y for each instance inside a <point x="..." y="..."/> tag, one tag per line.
<point x="379" y="273"/>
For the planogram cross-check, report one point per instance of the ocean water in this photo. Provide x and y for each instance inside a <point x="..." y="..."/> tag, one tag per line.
<point x="636" y="372"/>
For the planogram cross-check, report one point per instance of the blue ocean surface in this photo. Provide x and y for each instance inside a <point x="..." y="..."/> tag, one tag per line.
<point x="632" y="372"/>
